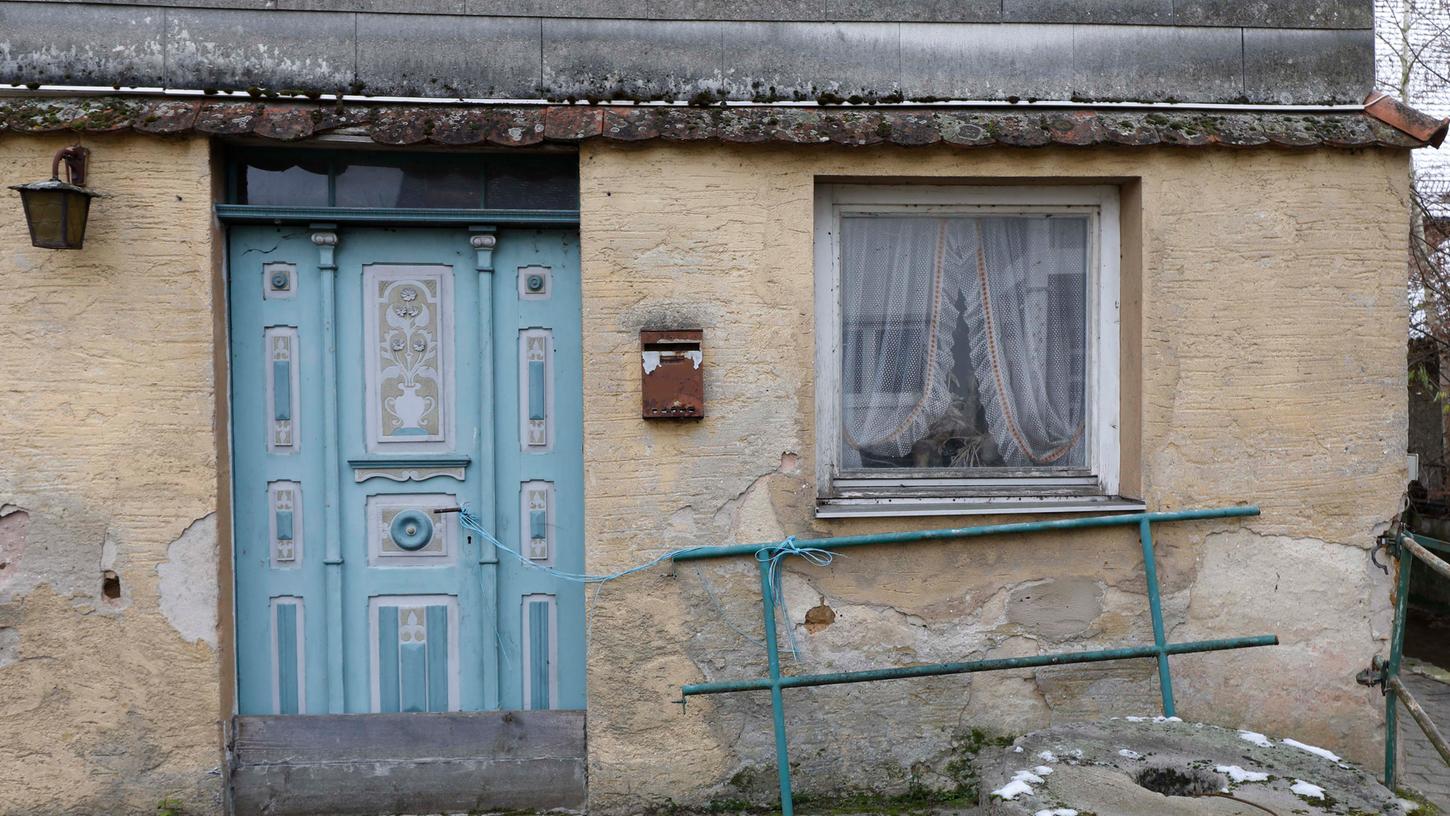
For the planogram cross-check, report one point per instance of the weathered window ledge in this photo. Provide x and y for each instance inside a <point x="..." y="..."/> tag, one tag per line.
<point x="973" y="506"/>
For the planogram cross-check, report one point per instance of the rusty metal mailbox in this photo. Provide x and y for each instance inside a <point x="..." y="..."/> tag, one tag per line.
<point x="672" y="378"/>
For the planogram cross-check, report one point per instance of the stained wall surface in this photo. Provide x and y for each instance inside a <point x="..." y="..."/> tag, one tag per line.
<point x="1278" y="52"/>
<point x="108" y="463"/>
<point x="1268" y="368"/>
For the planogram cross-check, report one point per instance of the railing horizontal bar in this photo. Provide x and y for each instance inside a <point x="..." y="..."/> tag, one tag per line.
<point x="1422" y="718"/>
<point x="1413" y="543"/>
<point x="1430" y="543"/>
<point x="841" y="542"/>
<point x="991" y="664"/>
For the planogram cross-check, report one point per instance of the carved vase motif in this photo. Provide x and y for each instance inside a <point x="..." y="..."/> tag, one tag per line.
<point x="409" y="361"/>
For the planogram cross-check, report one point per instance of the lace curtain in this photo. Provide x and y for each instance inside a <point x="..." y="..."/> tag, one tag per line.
<point x="964" y="341"/>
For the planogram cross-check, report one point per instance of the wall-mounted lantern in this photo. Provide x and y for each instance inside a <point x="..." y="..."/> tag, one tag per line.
<point x="56" y="210"/>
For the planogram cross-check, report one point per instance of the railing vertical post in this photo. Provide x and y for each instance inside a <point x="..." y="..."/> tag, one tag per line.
<point x="1155" y="608"/>
<point x="1392" y="669"/>
<point x="777" y="706"/>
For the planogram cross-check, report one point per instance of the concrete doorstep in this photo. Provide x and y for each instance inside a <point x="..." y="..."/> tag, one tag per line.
<point x="372" y="764"/>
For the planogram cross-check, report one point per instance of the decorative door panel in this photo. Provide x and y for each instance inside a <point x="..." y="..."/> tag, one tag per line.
<point x="408" y="333"/>
<point x="540" y="443"/>
<point x="414" y="663"/>
<point x="379" y="378"/>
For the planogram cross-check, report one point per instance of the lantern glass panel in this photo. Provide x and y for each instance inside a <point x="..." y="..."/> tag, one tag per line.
<point x="57" y="216"/>
<point x="45" y="212"/>
<point x="76" y="208"/>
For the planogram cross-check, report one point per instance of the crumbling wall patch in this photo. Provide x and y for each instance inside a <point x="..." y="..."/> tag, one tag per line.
<point x="188" y="584"/>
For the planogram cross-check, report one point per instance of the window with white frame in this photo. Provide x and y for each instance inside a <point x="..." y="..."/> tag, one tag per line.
<point x="969" y="360"/>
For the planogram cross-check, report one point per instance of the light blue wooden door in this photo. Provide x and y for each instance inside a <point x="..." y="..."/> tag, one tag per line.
<point x="380" y="376"/>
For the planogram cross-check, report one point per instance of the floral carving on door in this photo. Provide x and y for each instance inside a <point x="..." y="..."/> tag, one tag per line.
<point x="408" y="317"/>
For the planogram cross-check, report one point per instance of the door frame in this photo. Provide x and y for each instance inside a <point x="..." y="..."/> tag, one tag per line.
<point x="568" y="725"/>
<point x="482" y="223"/>
<point x="481" y="227"/>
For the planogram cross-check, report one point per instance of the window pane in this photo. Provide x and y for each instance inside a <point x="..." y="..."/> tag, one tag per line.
<point x="289" y="181"/>
<point x="965" y="341"/>
<point x="433" y="181"/>
<point x="534" y="183"/>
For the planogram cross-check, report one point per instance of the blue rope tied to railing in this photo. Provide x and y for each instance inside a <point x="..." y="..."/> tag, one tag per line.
<point x="774" y="554"/>
<point x="470" y="522"/>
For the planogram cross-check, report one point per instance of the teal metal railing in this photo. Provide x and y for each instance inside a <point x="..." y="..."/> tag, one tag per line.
<point x="768" y="556"/>
<point x="1406" y="547"/>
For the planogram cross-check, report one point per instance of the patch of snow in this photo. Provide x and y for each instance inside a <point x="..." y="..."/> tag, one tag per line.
<point x="1056" y="812"/>
<point x="1021" y="783"/>
<point x="1327" y="754"/>
<point x="1016" y="749"/>
<point x="1042" y="770"/>
<point x="1136" y="719"/>
<point x="1240" y="775"/>
<point x="1307" y="789"/>
<point x="1407" y="806"/>
<point x="1124" y="752"/>
<point x="1166" y="719"/>
<point x="1256" y="738"/>
<point x="1012" y="790"/>
<point x="1047" y="756"/>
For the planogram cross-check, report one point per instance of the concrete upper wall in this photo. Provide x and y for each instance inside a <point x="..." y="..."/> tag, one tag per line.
<point x="1295" y="51"/>
<point x="1259" y="13"/>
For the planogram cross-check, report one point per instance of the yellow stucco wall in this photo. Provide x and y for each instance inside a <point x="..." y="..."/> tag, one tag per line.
<point x="1272" y="371"/>
<point x="1272" y="349"/>
<point x="108" y="462"/>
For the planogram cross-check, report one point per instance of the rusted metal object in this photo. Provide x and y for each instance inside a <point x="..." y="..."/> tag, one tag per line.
<point x="74" y="158"/>
<point x="672" y="374"/>
<point x="1407" y="547"/>
<point x="1406" y="119"/>
<point x="1384" y="122"/>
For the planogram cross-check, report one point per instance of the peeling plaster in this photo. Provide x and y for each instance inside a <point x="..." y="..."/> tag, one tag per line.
<point x="651" y="361"/>
<point x="108" y="573"/>
<point x="755" y="518"/>
<point x="59" y="546"/>
<point x="1212" y="402"/>
<point x="9" y="645"/>
<point x="14" y="534"/>
<point x="187" y="583"/>
<point x="1056" y="608"/>
<point x="116" y="458"/>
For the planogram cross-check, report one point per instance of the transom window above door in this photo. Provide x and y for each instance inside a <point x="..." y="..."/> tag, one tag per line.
<point x="404" y="180"/>
<point x="970" y="362"/>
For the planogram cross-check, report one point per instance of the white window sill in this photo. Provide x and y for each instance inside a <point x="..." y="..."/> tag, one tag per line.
<point x="879" y="507"/>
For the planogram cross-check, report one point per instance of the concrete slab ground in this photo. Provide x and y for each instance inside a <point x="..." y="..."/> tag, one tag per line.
<point x="1155" y="767"/>
<point x="1421" y="768"/>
